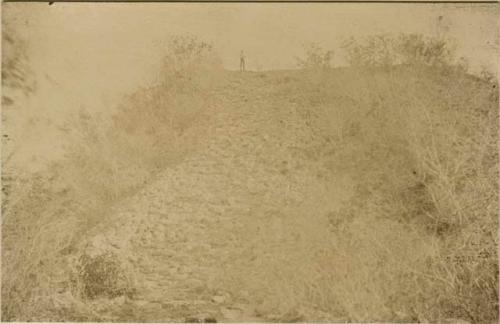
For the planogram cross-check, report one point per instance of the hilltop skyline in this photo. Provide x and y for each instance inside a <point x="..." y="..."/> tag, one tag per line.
<point x="111" y="49"/>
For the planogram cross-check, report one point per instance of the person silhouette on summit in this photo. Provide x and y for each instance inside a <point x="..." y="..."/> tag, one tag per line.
<point x="242" y="61"/>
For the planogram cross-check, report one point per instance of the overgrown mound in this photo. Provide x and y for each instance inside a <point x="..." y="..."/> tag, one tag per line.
<point x="416" y="242"/>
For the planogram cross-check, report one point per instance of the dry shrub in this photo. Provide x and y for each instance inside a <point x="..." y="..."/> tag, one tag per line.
<point x="408" y="49"/>
<point x="102" y="276"/>
<point x="315" y="57"/>
<point x="37" y="227"/>
<point x="157" y="117"/>
<point x="188" y="63"/>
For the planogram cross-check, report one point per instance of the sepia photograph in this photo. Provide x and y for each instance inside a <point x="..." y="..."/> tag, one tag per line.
<point x="250" y="162"/>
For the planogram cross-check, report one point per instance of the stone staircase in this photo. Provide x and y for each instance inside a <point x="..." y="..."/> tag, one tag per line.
<point x="197" y="236"/>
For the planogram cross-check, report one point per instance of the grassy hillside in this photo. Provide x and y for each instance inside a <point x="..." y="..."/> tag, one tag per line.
<point x="337" y="194"/>
<point x="417" y="240"/>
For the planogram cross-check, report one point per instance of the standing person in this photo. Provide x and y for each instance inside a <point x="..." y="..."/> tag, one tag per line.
<point x="443" y="27"/>
<point x="242" y="61"/>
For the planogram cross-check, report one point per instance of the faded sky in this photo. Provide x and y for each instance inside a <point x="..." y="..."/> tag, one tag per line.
<point x="104" y="43"/>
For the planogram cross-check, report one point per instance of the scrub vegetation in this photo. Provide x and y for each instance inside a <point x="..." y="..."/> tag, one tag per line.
<point x="359" y="193"/>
